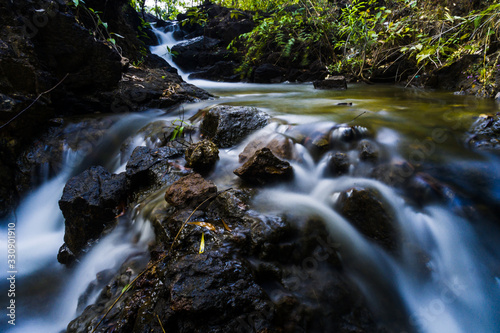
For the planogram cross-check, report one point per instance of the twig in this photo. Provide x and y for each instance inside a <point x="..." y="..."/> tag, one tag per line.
<point x="359" y="115"/>
<point x="36" y="99"/>
<point x="161" y="325"/>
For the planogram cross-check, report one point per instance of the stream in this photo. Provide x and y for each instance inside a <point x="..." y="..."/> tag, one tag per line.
<point x="457" y="287"/>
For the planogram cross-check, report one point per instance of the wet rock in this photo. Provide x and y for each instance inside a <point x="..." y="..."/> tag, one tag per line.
<point x="331" y="83"/>
<point x="368" y="151"/>
<point x="315" y="136"/>
<point x="227" y="126"/>
<point x="65" y="256"/>
<point x="153" y="166"/>
<point x="263" y="167"/>
<point x="396" y="173"/>
<point x="89" y="204"/>
<point x="268" y="73"/>
<point x="338" y="164"/>
<point x="485" y="133"/>
<point x="346" y="134"/>
<point x="423" y="188"/>
<point x="279" y="145"/>
<point x="367" y="212"/>
<point x="220" y="71"/>
<point x="196" y="52"/>
<point x="190" y="190"/>
<point x="202" y="156"/>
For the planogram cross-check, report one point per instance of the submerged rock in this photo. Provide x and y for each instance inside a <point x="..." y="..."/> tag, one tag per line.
<point x="279" y="145"/>
<point x="369" y="214"/>
<point x="202" y="156"/>
<point x="338" y="164"/>
<point x="227" y="125"/>
<point x="368" y="151"/>
<point x="89" y="204"/>
<point x="190" y="190"/>
<point x="485" y="133"/>
<point x="263" y="167"/>
<point x="268" y="73"/>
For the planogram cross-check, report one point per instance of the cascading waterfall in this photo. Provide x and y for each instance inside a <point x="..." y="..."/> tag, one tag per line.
<point x="459" y="293"/>
<point x="456" y="289"/>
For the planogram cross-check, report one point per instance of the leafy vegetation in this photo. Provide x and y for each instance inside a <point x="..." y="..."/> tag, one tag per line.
<point x="363" y="37"/>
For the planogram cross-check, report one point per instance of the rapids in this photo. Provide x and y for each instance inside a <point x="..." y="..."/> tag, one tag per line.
<point x="456" y="289"/>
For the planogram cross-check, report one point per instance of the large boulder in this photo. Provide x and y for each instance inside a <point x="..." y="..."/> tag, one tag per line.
<point x="268" y="73"/>
<point x="227" y="125"/>
<point x="368" y="213"/>
<point x="263" y="167"/>
<point x="196" y="52"/>
<point x="89" y="204"/>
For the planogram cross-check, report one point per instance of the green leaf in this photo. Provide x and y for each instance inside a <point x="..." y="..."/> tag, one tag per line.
<point x="76" y="2"/>
<point x="202" y="243"/>
<point x="105" y="25"/>
<point x="125" y="288"/>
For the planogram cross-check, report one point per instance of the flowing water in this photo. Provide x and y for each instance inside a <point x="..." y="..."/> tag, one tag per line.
<point x="457" y="287"/>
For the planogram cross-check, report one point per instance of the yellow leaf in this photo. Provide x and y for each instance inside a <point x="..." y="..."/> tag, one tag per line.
<point x="209" y="226"/>
<point x="225" y="225"/>
<point x="202" y="244"/>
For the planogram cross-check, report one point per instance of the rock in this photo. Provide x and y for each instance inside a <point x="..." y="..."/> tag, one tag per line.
<point x="368" y="151"/>
<point x="202" y="156"/>
<point x="366" y="211"/>
<point x="65" y="256"/>
<point x="148" y="167"/>
<point x="396" y="173"/>
<point x="497" y="97"/>
<point x="314" y="136"/>
<point x="220" y="71"/>
<point x="196" y="52"/>
<point x="190" y="190"/>
<point x="89" y="204"/>
<point x="331" y="83"/>
<point x="338" y="164"/>
<point x="227" y="125"/>
<point x="279" y="145"/>
<point x="485" y="133"/>
<point x="268" y="73"/>
<point x="423" y="188"/>
<point x="263" y="167"/>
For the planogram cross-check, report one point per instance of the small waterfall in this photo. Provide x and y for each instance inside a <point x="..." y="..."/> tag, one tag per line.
<point x="166" y="42"/>
<point x="455" y="290"/>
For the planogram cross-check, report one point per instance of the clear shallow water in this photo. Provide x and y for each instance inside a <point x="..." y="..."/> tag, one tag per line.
<point x="462" y="292"/>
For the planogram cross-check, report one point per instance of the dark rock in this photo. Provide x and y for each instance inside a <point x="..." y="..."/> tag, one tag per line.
<point x="314" y="136"/>
<point x="331" y="83"/>
<point x="65" y="256"/>
<point x="485" y="133"/>
<point x="279" y="145"/>
<point x="202" y="156"/>
<point x="190" y="190"/>
<point x="227" y="126"/>
<point x="89" y="204"/>
<point x="367" y="212"/>
<point x="196" y="52"/>
<point x="268" y="73"/>
<point x="338" y="164"/>
<point x="396" y="173"/>
<point x="152" y="166"/>
<point x="423" y="188"/>
<point x="263" y="167"/>
<point x="220" y="71"/>
<point x="368" y="151"/>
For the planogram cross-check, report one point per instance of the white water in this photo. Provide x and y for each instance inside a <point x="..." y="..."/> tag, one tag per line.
<point x="460" y="294"/>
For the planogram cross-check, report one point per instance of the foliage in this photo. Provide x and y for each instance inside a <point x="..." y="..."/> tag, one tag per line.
<point x="100" y="28"/>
